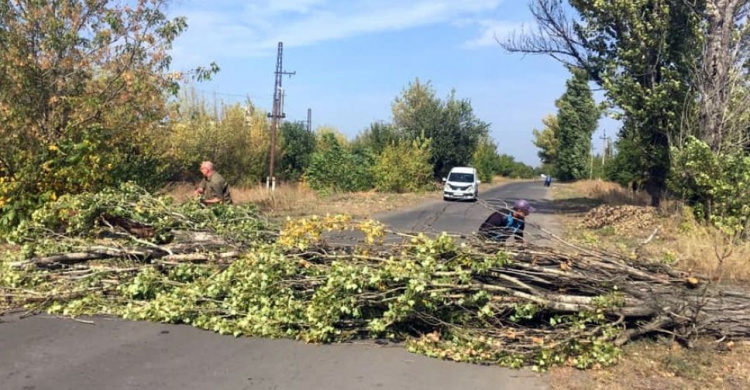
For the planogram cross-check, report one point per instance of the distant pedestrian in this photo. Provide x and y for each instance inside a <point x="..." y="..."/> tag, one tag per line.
<point x="548" y="181"/>
<point x="504" y="224"/>
<point x="213" y="189"/>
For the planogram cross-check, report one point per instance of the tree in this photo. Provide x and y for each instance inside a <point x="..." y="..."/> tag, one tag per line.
<point x="627" y="161"/>
<point x="297" y="145"/>
<point x="454" y="142"/>
<point x="725" y="32"/>
<point x="83" y="93"/>
<point x="451" y="125"/>
<point x="237" y="141"/>
<point x="333" y="168"/>
<point x="486" y="160"/>
<point x="377" y="137"/>
<point x="577" y="120"/>
<point x="404" y="167"/>
<point x="641" y="52"/>
<point x="418" y="110"/>
<point x="547" y="140"/>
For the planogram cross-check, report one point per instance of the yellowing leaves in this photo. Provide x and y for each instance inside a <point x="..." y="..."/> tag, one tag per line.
<point x="301" y="233"/>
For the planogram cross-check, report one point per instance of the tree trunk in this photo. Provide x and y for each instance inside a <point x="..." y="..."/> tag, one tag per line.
<point x="714" y="86"/>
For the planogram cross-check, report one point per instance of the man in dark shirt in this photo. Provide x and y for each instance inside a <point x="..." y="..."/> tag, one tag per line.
<point x="213" y="189"/>
<point x="501" y="225"/>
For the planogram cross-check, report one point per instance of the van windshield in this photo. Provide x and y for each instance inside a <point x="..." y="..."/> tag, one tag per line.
<point x="461" y="177"/>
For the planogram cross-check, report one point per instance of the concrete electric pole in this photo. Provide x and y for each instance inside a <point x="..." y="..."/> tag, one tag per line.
<point x="276" y="114"/>
<point x="309" y="119"/>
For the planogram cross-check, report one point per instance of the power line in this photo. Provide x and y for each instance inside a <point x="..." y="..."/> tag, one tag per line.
<point x="233" y="94"/>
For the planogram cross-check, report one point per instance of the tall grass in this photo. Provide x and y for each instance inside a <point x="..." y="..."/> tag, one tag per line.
<point x="683" y="241"/>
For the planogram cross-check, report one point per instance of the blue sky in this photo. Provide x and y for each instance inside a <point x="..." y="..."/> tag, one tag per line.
<point x="352" y="58"/>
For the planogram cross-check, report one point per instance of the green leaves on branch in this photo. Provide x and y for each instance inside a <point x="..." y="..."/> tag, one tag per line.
<point x="716" y="184"/>
<point x="334" y="168"/>
<point x="84" y="97"/>
<point x="89" y="214"/>
<point x="404" y="167"/>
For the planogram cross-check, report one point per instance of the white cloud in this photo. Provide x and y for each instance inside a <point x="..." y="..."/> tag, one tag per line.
<point x="225" y="28"/>
<point x="493" y="30"/>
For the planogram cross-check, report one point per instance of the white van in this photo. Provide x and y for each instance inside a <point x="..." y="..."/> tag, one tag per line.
<point x="461" y="183"/>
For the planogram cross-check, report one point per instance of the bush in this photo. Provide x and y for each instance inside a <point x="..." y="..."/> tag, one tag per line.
<point x="333" y="168"/>
<point x="486" y="160"/>
<point x="297" y="145"/>
<point x="715" y="184"/>
<point x="237" y="142"/>
<point x="404" y="167"/>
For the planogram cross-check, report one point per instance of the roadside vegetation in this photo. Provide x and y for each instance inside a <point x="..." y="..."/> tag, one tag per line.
<point x="95" y="122"/>
<point x="605" y="216"/>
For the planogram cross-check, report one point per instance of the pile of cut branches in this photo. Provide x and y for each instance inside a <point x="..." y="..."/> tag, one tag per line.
<point x="472" y="301"/>
<point x="620" y="217"/>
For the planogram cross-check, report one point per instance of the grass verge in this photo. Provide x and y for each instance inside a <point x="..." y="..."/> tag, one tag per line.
<point x="670" y="235"/>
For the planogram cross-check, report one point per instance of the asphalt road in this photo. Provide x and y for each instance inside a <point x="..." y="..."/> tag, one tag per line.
<point x="464" y="217"/>
<point x="43" y="352"/>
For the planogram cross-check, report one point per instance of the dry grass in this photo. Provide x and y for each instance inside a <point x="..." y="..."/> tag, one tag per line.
<point x="661" y="365"/>
<point x="683" y="243"/>
<point x="680" y="241"/>
<point x="606" y="192"/>
<point x="299" y="200"/>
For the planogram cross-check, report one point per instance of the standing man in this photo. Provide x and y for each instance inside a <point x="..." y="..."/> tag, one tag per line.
<point x="213" y="188"/>
<point x="503" y="224"/>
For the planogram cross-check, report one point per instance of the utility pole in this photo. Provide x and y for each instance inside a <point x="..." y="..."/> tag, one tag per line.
<point x="276" y="114"/>
<point x="309" y="119"/>
<point x="604" y="139"/>
<point x="591" y="164"/>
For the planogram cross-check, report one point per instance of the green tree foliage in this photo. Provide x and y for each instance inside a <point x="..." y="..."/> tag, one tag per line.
<point x="577" y="120"/>
<point x="83" y="90"/>
<point x="451" y="125"/>
<point x="509" y="167"/>
<point x="237" y="141"/>
<point x="644" y="51"/>
<point x="334" y="168"/>
<point x="641" y="52"/>
<point x="716" y="184"/>
<point x="377" y="137"/>
<point x="486" y="160"/>
<point x="624" y="168"/>
<point x="404" y="167"/>
<point x="548" y="140"/>
<point x="297" y="146"/>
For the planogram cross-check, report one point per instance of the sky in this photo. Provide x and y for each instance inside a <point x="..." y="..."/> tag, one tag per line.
<point x="353" y="58"/>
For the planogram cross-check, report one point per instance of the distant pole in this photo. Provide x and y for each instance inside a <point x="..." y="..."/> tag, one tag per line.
<point x="216" y="109"/>
<point x="591" y="165"/>
<point x="276" y="114"/>
<point x="309" y="119"/>
<point x="604" y="145"/>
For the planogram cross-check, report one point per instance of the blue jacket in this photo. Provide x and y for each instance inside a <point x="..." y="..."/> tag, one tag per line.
<point x="501" y="225"/>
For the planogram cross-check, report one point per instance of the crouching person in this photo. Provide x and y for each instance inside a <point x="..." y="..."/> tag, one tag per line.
<point x="504" y="224"/>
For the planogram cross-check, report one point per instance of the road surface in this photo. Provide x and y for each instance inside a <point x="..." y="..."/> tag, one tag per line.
<point x="465" y="217"/>
<point x="44" y="352"/>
